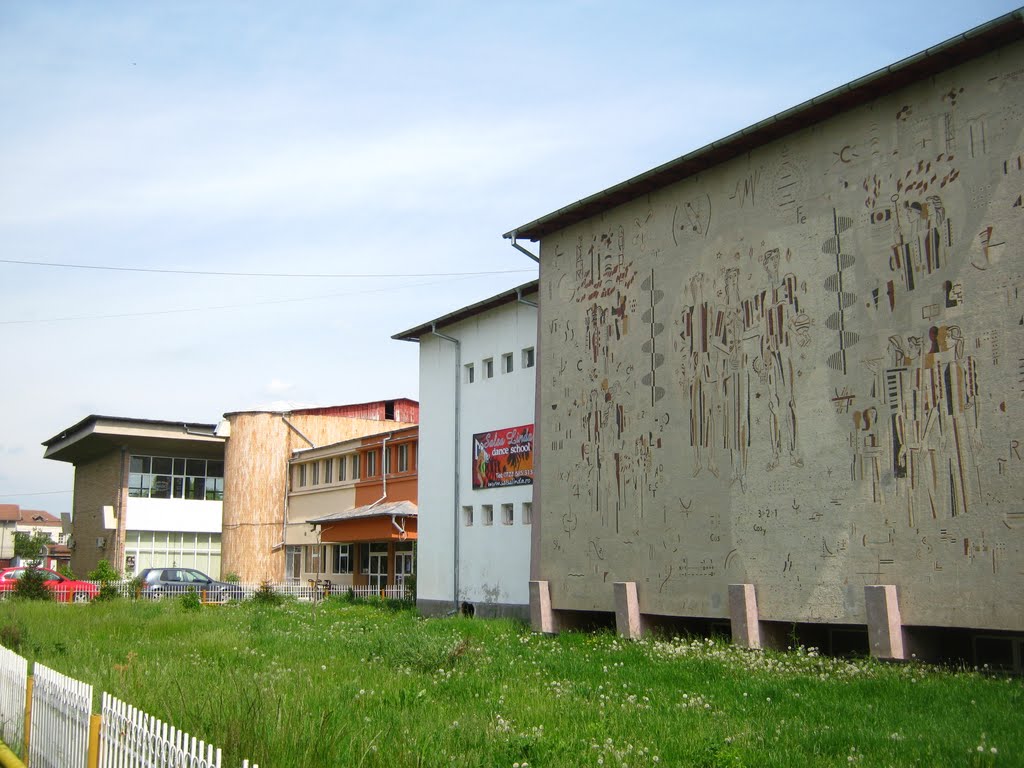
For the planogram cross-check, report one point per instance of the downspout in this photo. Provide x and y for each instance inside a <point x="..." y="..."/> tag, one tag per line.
<point x="383" y="471"/>
<point x="297" y="431"/>
<point x="455" y="499"/>
<point x="287" y="488"/>
<point x="200" y="434"/>
<point x="520" y="248"/>
<point x="521" y="300"/>
<point x="121" y="530"/>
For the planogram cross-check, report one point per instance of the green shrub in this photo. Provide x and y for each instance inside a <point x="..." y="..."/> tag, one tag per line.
<point x="104" y="572"/>
<point x="190" y="600"/>
<point x="107" y="592"/>
<point x="266" y="595"/>
<point x="32" y="586"/>
<point x="232" y="578"/>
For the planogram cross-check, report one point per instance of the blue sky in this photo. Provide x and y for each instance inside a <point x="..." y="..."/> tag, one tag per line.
<point x="384" y="138"/>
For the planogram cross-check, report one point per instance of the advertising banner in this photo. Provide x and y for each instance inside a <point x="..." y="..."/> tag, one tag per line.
<point x="503" y="457"/>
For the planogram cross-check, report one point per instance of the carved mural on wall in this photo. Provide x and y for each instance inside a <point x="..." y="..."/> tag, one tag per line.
<point x="815" y="388"/>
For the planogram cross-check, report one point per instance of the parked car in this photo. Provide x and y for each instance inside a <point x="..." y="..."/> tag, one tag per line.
<point x="158" y="582"/>
<point x="64" y="589"/>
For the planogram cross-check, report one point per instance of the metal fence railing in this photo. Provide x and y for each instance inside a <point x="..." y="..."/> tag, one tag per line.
<point x="63" y="732"/>
<point x="59" y="727"/>
<point x="128" y="736"/>
<point x="13" y="687"/>
<point x="305" y="591"/>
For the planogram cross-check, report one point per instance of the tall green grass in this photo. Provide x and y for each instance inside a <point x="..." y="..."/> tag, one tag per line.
<point x="355" y="685"/>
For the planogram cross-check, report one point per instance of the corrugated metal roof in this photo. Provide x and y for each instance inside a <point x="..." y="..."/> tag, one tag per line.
<point x="971" y="44"/>
<point x="387" y="509"/>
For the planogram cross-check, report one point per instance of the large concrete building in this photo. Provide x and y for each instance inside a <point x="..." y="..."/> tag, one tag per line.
<point x="352" y="513"/>
<point x="147" y="492"/>
<point x="780" y="376"/>
<point x="207" y="496"/>
<point x="259" y="449"/>
<point x="477" y="388"/>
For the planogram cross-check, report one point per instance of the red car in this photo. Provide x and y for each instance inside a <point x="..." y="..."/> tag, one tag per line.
<point x="64" y="590"/>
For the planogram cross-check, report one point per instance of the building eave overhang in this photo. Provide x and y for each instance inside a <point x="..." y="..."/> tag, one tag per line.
<point x="96" y="435"/>
<point x="969" y="45"/>
<point x="505" y="297"/>
<point x="389" y="509"/>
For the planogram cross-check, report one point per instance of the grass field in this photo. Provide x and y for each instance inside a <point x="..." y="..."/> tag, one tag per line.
<point x="336" y="684"/>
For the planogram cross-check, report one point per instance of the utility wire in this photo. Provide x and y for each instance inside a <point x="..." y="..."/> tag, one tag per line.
<point x="217" y="307"/>
<point x="38" y="493"/>
<point x="259" y="274"/>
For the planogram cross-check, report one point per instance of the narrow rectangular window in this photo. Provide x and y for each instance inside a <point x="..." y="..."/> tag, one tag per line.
<point x="403" y="458"/>
<point x="506" y="363"/>
<point x="343" y="469"/>
<point x="371" y="463"/>
<point x="488" y="514"/>
<point x="506" y="514"/>
<point x="329" y="471"/>
<point x="314" y="473"/>
<point x="467" y="516"/>
<point x="527" y="513"/>
<point x="387" y="461"/>
<point x="528" y="357"/>
<point x="343" y="558"/>
<point x="469" y="373"/>
<point x="302" y="475"/>
<point x="355" y="467"/>
<point x="489" y="368"/>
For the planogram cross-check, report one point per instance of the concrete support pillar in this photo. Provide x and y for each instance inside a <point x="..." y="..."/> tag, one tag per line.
<point x="627" y="610"/>
<point x="746" y="625"/>
<point x="885" y="627"/>
<point x="542" y="618"/>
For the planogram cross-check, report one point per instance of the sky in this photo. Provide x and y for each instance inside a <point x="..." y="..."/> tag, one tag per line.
<point x="368" y="154"/>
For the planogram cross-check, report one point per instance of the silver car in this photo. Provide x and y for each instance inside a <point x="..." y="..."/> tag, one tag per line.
<point x="158" y="582"/>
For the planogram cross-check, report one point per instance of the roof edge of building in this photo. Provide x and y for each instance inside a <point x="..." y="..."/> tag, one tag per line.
<point x="964" y="47"/>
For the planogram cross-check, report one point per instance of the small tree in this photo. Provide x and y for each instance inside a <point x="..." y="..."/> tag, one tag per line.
<point x="32" y="585"/>
<point x="31" y="547"/>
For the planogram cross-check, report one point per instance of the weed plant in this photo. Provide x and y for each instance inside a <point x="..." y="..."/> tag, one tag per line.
<point x="353" y="684"/>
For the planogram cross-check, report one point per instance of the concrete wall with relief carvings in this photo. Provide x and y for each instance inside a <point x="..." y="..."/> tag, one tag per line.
<point x="802" y="369"/>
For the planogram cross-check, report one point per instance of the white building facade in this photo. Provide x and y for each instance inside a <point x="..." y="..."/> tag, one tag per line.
<point x="477" y="386"/>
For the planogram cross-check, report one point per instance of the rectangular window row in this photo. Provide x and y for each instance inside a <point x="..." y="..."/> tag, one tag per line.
<point x="507" y="512"/>
<point x="397" y="458"/>
<point x="168" y="477"/>
<point x="507" y="365"/>
<point x="340" y="559"/>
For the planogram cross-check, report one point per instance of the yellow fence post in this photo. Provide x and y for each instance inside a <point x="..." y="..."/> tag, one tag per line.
<point x="28" y="716"/>
<point x="95" y="721"/>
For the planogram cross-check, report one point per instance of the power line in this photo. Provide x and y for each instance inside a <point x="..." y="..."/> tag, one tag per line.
<point x="259" y="274"/>
<point x="37" y="493"/>
<point x="74" y="318"/>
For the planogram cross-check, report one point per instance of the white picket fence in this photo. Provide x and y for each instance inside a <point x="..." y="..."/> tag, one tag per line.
<point x="61" y="719"/>
<point x="129" y="738"/>
<point x="59" y="724"/>
<point x="300" y="591"/>
<point x="13" y="690"/>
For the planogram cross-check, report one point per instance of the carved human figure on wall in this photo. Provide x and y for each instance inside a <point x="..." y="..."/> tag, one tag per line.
<point x="701" y="372"/>
<point x="778" y="307"/>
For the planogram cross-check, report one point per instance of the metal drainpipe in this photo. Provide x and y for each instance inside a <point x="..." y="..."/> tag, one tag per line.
<point x="455" y="499"/>
<point x="521" y="300"/>
<point x="520" y="248"/>
<point x="121" y="531"/>
<point x="383" y="471"/>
